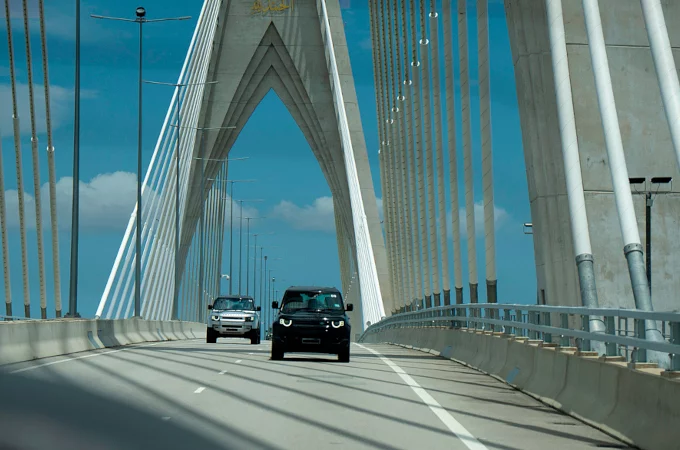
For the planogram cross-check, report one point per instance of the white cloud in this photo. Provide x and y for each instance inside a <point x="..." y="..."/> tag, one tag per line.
<point x="500" y="217"/>
<point x="318" y="216"/>
<point x="60" y="98"/>
<point x="380" y="208"/>
<point x="61" y="24"/>
<point x="248" y="211"/>
<point x="106" y="202"/>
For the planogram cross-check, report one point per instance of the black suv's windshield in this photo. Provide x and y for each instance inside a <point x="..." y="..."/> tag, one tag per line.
<point x="311" y="301"/>
<point x="234" y="304"/>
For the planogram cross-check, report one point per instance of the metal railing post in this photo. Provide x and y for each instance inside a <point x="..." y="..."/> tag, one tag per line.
<point x="610" y="329"/>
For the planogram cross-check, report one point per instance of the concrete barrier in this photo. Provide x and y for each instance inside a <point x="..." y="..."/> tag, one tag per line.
<point x="27" y="340"/>
<point x="640" y="407"/>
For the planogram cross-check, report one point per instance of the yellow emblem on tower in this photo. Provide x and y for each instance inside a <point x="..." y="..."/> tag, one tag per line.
<point x="274" y="6"/>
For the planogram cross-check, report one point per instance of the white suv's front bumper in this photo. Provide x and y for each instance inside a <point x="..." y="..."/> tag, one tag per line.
<point x="235" y="327"/>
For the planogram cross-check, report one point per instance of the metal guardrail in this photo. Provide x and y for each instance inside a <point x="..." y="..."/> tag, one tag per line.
<point x="13" y="318"/>
<point x="624" y="328"/>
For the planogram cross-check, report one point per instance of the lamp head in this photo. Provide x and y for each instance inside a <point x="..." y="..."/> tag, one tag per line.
<point x="140" y="12"/>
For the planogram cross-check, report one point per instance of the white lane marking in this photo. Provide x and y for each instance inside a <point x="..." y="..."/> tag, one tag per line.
<point x="223" y="372"/>
<point x="165" y="418"/>
<point x="92" y="355"/>
<point x="452" y="424"/>
<point x="238" y="361"/>
<point x="199" y="390"/>
<point x="251" y="353"/>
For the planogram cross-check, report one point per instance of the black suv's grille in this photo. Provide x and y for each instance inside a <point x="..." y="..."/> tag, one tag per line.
<point x="309" y="324"/>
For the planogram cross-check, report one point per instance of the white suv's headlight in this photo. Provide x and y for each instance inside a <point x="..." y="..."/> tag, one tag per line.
<point x="338" y="323"/>
<point x="249" y="318"/>
<point x="286" y="322"/>
<point x="215" y="318"/>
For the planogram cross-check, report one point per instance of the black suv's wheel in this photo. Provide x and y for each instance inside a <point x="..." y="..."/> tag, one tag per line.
<point x="343" y="356"/>
<point x="255" y="337"/>
<point x="210" y="336"/>
<point x="277" y="352"/>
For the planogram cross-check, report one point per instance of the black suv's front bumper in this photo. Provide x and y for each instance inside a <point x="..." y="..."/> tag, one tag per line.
<point x="311" y="339"/>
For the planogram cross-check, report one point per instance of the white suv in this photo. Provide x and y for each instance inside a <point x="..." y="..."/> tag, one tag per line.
<point x="233" y="316"/>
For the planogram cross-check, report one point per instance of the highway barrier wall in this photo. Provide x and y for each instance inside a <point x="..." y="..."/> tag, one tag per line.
<point x="33" y="339"/>
<point x="638" y="406"/>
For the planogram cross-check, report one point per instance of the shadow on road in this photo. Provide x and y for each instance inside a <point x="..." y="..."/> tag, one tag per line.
<point x="38" y="414"/>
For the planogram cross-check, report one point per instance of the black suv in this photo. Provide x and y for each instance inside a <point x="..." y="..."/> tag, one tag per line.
<point x="311" y="320"/>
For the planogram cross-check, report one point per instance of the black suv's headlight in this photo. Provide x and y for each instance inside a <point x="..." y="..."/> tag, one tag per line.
<point x="286" y="322"/>
<point x="338" y="323"/>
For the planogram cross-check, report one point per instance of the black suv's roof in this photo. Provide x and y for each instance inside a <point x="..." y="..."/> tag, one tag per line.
<point x="313" y="288"/>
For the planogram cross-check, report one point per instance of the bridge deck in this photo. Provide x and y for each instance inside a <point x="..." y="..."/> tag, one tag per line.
<point x="230" y="395"/>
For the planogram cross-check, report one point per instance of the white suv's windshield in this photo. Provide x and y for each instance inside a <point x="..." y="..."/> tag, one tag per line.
<point x="234" y="304"/>
<point x="312" y="301"/>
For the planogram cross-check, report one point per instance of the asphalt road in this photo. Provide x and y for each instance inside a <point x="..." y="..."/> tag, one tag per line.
<point x="229" y="395"/>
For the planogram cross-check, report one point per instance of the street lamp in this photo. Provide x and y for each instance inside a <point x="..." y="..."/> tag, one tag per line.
<point x="255" y="262"/>
<point x="231" y="226"/>
<point x="141" y="19"/>
<point x="649" y="201"/>
<point x="528" y="228"/>
<point x="248" y="219"/>
<point x="240" y="239"/>
<point x="201" y="217"/>
<point x="175" y="298"/>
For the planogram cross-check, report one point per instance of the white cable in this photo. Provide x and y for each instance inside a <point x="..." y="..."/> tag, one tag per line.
<point x="485" y="125"/>
<point x="429" y="169"/>
<point x="565" y="109"/>
<point x="451" y="144"/>
<point x="409" y="217"/>
<point x="391" y="126"/>
<point x="5" y="246"/>
<point x="439" y="151"/>
<point x="19" y="165"/>
<point x="50" y="165"/>
<point x="666" y="70"/>
<point x="206" y="6"/>
<point x="467" y="144"/>
<point x="36" y="166"/>
<point x="368" y="276"/>
<point x="422" y="275"/>
<point x="167" y="139"/>
<point x="610" y="122"/>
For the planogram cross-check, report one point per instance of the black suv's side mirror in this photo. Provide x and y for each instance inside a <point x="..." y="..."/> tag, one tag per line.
<point x="209" y="306"/>
<point x="349" y="307"/>
<point x="275" y="305"/>
<point x="258" y="308"/>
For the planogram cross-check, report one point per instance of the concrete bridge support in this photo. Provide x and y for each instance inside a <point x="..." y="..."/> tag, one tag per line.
<point x="646" y="140"/>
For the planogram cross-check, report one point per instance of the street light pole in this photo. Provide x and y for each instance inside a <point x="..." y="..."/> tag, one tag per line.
<point x="649" y="202"/>
<point x="141" y="19"/>
<point x="248" y="219"/>
<point x="254" y="265"/>
<point x="231" y="216"/>
<point x="75" y="211"/>
<point x="240" y="242"/>
<point x="231" y="237"/>
<point x="138" y="229"/>
<point x="648" y="238"/>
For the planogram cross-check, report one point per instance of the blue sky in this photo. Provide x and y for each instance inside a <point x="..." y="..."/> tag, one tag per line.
<point x="108" y="149"/>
